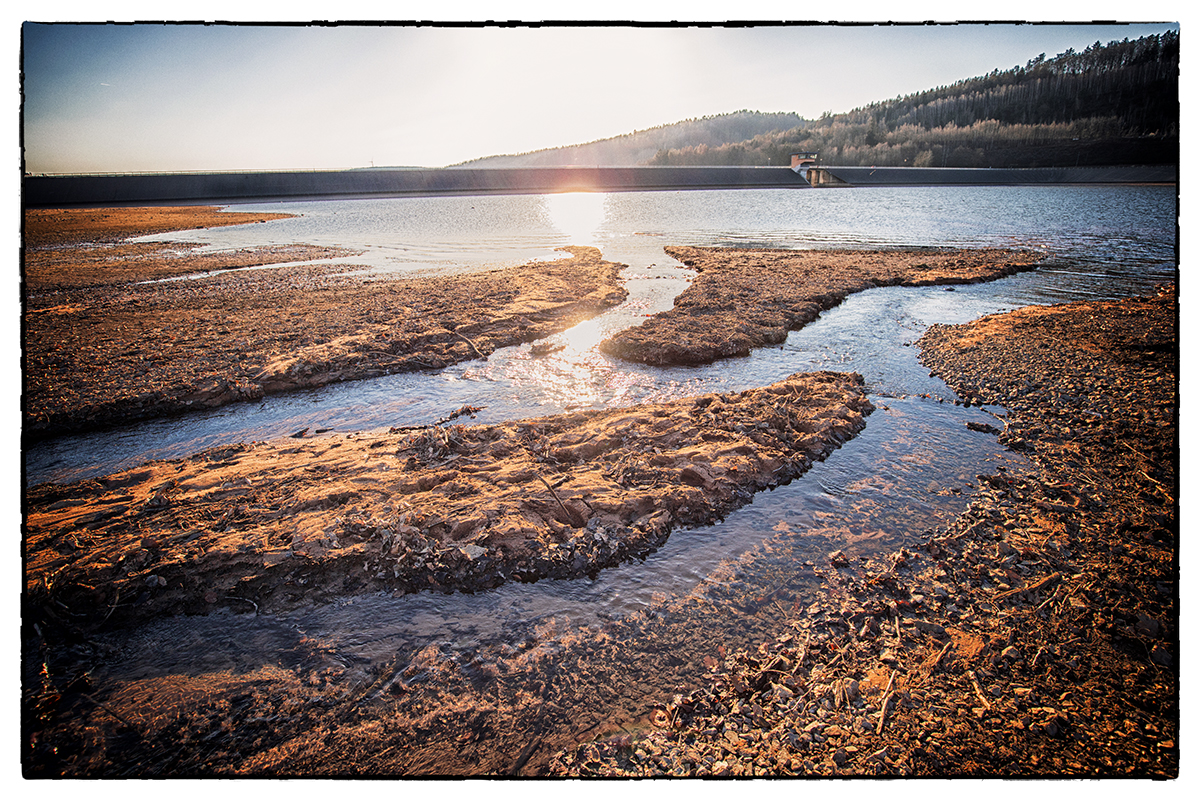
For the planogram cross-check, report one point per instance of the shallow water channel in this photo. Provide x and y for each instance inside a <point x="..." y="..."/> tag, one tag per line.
<point x="913" y="467"/>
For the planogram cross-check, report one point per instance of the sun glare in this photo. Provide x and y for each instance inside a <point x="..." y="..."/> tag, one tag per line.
<point x="577" y="214"/>
<point x="584" y="336"/>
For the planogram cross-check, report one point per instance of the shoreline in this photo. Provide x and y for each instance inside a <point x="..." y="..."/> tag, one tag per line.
<point x="104" y="351"/>
<point x="747" y="298"/>
<point x="1034" y="635"/>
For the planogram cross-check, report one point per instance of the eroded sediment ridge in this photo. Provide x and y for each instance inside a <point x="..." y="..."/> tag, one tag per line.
<point x="447" y="506"/>
<point x="103" y="349"/>
<point x="751" y="298"/>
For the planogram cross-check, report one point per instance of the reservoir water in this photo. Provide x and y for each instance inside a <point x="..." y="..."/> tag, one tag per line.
<point x="913" y="467"/>
<point x="1101" y="242"/>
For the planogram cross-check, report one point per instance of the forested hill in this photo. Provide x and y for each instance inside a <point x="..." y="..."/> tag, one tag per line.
<point x="638" y="147"/>
<point x="1109" y="104"/>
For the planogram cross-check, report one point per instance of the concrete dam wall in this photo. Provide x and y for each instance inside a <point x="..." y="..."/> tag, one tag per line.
<point x="822" y="176"/>
<point x="248" y="187"/>
<point x="245" y="187"/>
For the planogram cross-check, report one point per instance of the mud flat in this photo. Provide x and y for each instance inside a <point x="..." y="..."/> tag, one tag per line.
<point x="447" y="507"/>
<point x="750" y="298"/>
<point x="76" y="248"/>
<point x="1035" y="635"/>
<point x="104" y="349"/>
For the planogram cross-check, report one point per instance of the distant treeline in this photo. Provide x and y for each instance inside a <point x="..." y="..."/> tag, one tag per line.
<point x="1109" y="104"/>
<point x="638" y="147"/>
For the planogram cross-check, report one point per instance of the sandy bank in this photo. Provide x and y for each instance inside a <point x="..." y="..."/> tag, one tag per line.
<point x="750" y="298"/>
<point x="75" y="248"/>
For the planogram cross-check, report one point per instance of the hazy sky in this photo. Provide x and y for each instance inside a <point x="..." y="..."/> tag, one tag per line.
<point x="229" y="97"/>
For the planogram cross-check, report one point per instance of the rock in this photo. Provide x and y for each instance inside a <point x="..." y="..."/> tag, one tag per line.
<point x="1162" y="655"/>
<point x="1147" y="625"/>
<point x="930" y="628"/>
<point x="473" y="551"/>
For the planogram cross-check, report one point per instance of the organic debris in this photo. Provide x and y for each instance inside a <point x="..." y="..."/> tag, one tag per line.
<point x="1036" y="635"/>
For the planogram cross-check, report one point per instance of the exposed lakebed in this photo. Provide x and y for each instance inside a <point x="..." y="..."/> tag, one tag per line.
<point x="912" y="465"/>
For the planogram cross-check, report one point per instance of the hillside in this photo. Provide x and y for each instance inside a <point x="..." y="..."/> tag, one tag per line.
<point x="1110" y="104"/>
<point x="640" y="146"/>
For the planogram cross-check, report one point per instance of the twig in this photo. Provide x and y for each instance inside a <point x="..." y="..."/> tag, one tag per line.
<point x="883" y="708"/>
<point x="111" y="609"/>
<point x="571" y="515"/>
<point x="803" y="653"/>
<point x="247" y="600"/>
<point x="1049" y="598"/>
<point x="469" y="342"/>
<point x="1047" y="581"/>
<point x="978" y="690"/>
<point x="454" y="415"/>
<point x="390" y="358"/>
<point x="107" y="709"/>
<point x="515" y="770"/>
<point x="928" y="670"/>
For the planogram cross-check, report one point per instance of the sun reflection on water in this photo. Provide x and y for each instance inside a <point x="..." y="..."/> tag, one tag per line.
<point x="577" y="214"/>
<point x="583" y="337"/>
<point x="568" y="368"/>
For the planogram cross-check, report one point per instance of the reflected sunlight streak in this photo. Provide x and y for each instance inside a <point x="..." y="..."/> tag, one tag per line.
<point x="577" y="214"/>
<point x="575" y="375"/>
<point x="583" y="337"/>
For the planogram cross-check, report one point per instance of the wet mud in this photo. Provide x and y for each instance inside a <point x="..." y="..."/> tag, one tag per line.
<point x="273" y="525"/>
<point x="104" y="348"/>
<point x="1036" y="634"/>
<point x="745" y="298"/>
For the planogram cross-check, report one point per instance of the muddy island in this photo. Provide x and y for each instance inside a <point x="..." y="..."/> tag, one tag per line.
<point x="271" y="526"/>
<point x="746" y="298"/>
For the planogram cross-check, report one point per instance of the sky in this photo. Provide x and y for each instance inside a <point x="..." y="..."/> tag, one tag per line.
<point x="177" y="97"/>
